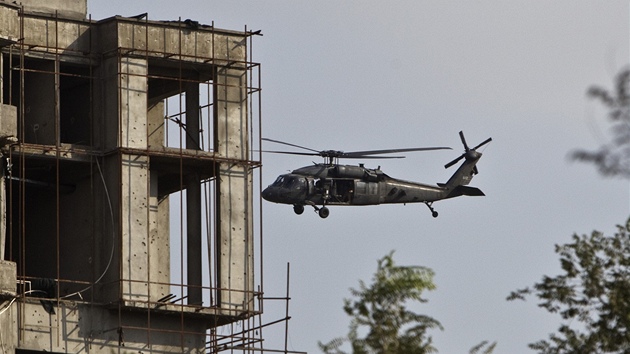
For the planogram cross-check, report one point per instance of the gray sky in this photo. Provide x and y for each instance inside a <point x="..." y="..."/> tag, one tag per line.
<point x="357" y="75"/>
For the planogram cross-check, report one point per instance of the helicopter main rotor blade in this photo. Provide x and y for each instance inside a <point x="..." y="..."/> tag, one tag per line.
<point x="292" y="153"/>
<point x="289" y="144"/>
<point x="370" y="157"/>
<point x="332" y="154"/>
<point x="358" y="154"/>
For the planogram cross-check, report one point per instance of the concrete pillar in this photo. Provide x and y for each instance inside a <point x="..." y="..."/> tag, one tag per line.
<point x="193" y="239"/>
<point x="1" y="78"/>
<point x="8" y="315"/>
<point x="3" y="210"/>
<point x="192" y="116"/>
<point x="159" y="223"/>
<point x="156" y="119"/>
<point x="193" y="200"/>
<point x="3" y="192"/>
<point x="234" y="191"/>
<point x="133" y="103"/>
<point x="159" y="244"/>
<point x="8" y="131"/>
<point x="3" y="199"/>
<point x="134" y="179"/>
<point x="135" y="228"/>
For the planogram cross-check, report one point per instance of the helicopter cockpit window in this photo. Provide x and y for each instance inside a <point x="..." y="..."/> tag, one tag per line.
<point x="290" y="182"/>
<point x="293" y="182"/>
<point x="278" y="181"/>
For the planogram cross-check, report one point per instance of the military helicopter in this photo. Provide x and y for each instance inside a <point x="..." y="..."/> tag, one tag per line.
<point x="331" y="183"/>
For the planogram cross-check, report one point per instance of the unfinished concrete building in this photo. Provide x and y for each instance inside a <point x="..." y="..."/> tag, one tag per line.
<point x="127" y="182"/>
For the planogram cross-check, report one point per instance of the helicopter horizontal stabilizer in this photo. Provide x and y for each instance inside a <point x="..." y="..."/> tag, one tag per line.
<point x="465" y="190"/>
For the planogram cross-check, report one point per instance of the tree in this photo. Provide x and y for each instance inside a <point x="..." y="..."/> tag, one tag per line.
<point x="486" y="346"/>
<point x="591" y="295"/>
<point x="613" y="158"/>
<point x="380" y="311"/>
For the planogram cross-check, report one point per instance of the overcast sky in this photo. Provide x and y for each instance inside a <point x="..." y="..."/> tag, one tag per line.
<point x="358" y="75"/>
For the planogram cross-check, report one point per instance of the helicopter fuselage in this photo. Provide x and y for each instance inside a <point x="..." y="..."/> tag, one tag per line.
<point x="335" y="184"/>
<point x="322" y="184"/>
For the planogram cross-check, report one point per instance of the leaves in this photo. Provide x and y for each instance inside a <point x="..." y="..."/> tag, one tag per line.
<point x="592" y="295"/>
<point x="485" y="346"/>
<point x="613" y="158"/>
<point x="379" y="310"/>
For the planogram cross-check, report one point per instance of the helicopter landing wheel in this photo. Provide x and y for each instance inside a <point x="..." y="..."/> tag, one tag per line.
<point x="298" y="209"/>
<point x="430" y="206"/>
<point x="323" y="212"/>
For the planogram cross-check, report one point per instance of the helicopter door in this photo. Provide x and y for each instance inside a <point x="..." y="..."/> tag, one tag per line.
<point x="365" y="193"/>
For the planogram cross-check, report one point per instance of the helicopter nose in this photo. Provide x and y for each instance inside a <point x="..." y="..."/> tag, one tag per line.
<point x="266" y="194"/>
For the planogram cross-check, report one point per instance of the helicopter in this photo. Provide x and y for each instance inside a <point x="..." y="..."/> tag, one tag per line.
<point x="330" y="183"/>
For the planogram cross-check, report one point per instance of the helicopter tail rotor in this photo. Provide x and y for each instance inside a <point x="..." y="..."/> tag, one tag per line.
<point x="468" y="152"/>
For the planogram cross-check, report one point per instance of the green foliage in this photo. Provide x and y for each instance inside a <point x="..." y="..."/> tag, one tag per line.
<point x="486" y="346"/>
<point x="591" y="295"/>
<point x="613" y="158"/>
<point x="380" y="311"/>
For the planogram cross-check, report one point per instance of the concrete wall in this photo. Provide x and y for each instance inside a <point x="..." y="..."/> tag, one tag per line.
<point x="78" y="327"/>
<point x="8" y="120"/>
<point x="106" y="110"/>
<point x="10" y="29"/>
<point x="47" y="34"/>
<point x="76" y="9"/>
<point x="77" y="241"/>
<point x="173" y="38"/>
<point x="40" y="108"/>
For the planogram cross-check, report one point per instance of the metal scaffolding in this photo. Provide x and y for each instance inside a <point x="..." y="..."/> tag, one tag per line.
<point x="131" y="211"/>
